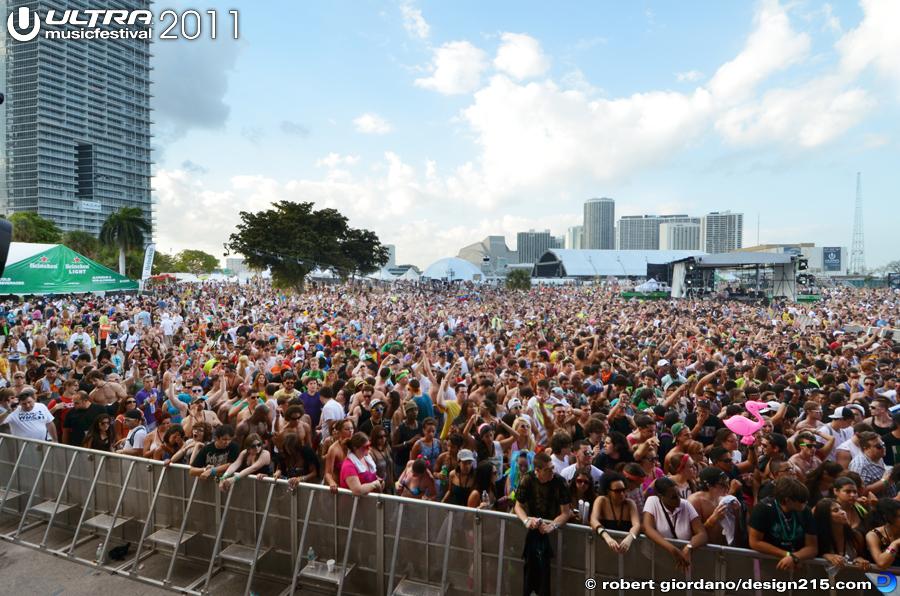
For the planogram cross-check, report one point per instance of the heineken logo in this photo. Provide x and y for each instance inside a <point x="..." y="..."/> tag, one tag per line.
<point x="43" y="259"/>
<point x="77" y="259"/>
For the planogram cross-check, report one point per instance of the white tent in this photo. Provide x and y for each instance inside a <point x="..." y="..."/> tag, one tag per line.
<point x="383" y="275"/>
<point x="186" y="278"/>
<point x="410" y="275"/>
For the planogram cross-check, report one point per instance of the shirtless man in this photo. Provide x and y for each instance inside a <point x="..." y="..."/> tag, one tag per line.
<point x="105" y="393"/>
<point x="294" y="424"/>
<point x="257" y="422"/>
<point x="714" y="485"/>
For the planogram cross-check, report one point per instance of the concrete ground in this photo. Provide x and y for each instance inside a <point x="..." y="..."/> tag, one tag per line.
<point x="26" y="572"/>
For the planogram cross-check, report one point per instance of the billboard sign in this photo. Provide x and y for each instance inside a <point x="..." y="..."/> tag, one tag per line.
<point x="831" y="258"/>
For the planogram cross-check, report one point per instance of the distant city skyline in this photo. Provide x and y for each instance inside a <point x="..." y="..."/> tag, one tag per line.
<point x="438" y="125"/>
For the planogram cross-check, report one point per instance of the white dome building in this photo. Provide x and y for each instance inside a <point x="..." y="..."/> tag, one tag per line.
<point x="452" y="269"/>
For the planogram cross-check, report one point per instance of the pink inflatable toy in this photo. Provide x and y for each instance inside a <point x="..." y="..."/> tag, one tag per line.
<point x="744" y="426"/>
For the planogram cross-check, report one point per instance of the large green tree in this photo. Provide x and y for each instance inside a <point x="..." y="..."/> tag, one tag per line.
<point x="196" y="261"/>
<point x="82" y="242"/>
<point x="125" y="229"/>
<point x="28" y="226"/>
<point x="292" y="239"/>
<point x="163" y="263"/>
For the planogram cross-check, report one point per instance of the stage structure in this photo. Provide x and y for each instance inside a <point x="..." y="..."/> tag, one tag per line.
<point x="765" y="274"/>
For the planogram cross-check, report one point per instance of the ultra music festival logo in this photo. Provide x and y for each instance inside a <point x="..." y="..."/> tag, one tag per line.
<point x="26" y="25"/>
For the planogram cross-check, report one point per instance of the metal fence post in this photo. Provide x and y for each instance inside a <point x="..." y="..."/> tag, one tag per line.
<point x="84" y="510"/>
<point x="347" y="548"/>
<point x="59" y="498"/>
<point x="390" y="589"/>
<point x="476" y="557"/>
<point x="37" y="481"/>
<point x="9" y="480"/>
<point x="115" y="515"/>
<point x="259" y="541"/>
<point x="184" y="520"/>
<point x="379" y="545"/>
<point x="215" y="553"/>
<point x="309" y="505"/>
<point x="140" y="545"/>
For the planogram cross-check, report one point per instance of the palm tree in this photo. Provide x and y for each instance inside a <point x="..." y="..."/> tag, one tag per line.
<point x="125" y="229"/>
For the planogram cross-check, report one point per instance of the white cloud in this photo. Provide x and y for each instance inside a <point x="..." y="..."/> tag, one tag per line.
<point x="333" y="160"/>
<point x="457" y="68"/>
<point x="691" y="75"/>
<point x="875" y="41"/>
<point x="832" y="23"/>
<point x="413" y="22"/>
<point x="521" y="57"/>
<point x="772" y="47"/>
<point x="372" y="124"/>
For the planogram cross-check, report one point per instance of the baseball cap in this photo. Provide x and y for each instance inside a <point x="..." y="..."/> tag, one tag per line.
<point x="376" y="402"/>
<point x="134" y="415"/>
<point x="842" y="413"/>
<point x="711" y="475"/>
<point x="662" y="362"/>
<point x="465" y="455"/>
<point x="514" y="403"/>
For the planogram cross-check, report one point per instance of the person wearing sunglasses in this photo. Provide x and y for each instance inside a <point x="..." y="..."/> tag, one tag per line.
<point x="254" y="459"/>
<point x="782" y="526"/>
<point x="667" y="516"/>
<point x="613" y="510"/>
<point x="543" y="505"/>
<point x="870" y="466"/>
<point x="806" y="460"/>
<point x="719" y="512"/>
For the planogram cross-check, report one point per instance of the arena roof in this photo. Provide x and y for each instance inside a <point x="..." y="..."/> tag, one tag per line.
<point x="603" y="263"/>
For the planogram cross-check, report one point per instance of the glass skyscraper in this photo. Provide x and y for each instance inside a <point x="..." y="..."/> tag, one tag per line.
<point x="75" y="138"/>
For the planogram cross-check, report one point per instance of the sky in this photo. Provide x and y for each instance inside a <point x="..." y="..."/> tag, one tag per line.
<point x="435" y="124"/>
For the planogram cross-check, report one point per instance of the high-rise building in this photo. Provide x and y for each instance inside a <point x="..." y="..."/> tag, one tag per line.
<point x="392" y="256"/>
<point x="575" y="237"/>
<point x="600" y="224"/>
<point x="641" y="232"/>
<point x="679" y="236"/>
<point x="531" y="245"/>
<point x="721" y="232"/>
<point x="75" y="135"/>
<point x="557" y="242"/>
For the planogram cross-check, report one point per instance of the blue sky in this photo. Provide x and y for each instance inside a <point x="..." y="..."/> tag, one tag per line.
<point x="436" y="124"/>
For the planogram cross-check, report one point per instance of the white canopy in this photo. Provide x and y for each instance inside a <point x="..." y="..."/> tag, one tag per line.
<point x="383" y="275"/>
<point x="410" y="275"/>
<point x="452" y="269"/>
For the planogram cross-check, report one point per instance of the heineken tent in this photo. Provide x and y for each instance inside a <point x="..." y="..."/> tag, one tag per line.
<point x="56" y="269"/>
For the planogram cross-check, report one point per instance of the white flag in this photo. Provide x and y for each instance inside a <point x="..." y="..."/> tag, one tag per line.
<point x="148" y="261"/>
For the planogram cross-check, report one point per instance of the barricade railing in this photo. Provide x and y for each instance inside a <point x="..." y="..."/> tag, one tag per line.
<point x="188" y="536"/>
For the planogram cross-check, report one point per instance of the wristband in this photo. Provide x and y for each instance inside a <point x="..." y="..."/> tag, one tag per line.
<point x="600" y="531"/>
<point x="525" y="523"/>
<point x="236" y="478"/>
<point x="213" y="470"/>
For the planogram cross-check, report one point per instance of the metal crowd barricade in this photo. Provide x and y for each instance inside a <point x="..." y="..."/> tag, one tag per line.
<point x="187" y="536"/>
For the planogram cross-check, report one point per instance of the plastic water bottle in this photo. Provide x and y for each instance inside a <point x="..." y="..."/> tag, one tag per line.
<point x="485" y="499"/>
<point x="311" y="559"/>
<point x="98" y="556"/>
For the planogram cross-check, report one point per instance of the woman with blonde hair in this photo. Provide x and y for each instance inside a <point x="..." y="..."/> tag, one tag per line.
<point x="342" y="431"/>
<point x="524" y="436"/>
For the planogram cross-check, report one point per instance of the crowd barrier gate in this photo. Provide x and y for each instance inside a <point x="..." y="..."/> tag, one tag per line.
<point x="187" y="536"/>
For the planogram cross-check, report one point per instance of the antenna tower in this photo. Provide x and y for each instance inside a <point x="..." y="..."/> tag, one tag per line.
<point x="858" y="251"/>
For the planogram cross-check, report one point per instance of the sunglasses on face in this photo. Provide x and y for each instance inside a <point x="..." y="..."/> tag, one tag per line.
<point x="256" y="445"/>
<point x="581" y="481"/>
<point x="617" y="490"/>
<point x="130" y="401"/>
<point x="295" y="418"/>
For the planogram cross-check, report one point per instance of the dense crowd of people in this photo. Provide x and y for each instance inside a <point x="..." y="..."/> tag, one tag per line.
<point x="706" y="421"/>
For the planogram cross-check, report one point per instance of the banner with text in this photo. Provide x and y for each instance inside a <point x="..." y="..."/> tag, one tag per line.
<point x="148" y="261"/>
<point x="832" y="258"/>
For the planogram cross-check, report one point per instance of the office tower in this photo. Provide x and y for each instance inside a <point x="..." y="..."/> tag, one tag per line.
<point x="557" y="242"/>
<point x="575" y="237"/>
<point x="721" y="232"/>
<point x="531" y="245"/>
<point x="600" y="224"/>
<point x="641" y="232"/>
<point x="392" y="256"/>
<point x="76" y="129"/>
<point x="679" y="236"/>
